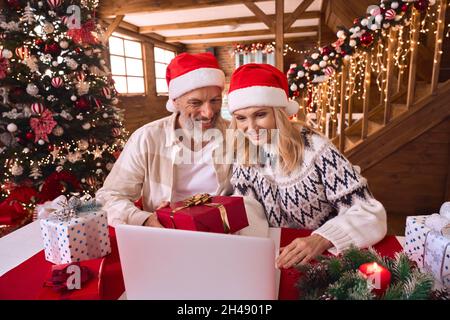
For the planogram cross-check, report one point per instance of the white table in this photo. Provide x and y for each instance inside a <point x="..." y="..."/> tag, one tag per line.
<point x="25" y="242"/>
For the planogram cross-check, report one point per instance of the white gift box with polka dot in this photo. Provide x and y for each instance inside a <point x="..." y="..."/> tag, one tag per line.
<point x="428" y="248"/>
<point x="83" y="238"/>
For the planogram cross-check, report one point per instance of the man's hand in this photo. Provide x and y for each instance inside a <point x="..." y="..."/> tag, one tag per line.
<point x="302" y="250"/>
<point x="153" y="221"/>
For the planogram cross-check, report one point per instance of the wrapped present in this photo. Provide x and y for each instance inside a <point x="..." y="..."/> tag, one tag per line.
<point x="73" y="230"/>
<point x="428" y="244"/>
<point x="203" y="212"/>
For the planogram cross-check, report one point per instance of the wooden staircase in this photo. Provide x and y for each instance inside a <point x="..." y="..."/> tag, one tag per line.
<point x="410" y="101"/>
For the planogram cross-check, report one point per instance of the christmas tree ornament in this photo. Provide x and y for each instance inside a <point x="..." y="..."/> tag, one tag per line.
<point x="105" y="115"/>
<point x="35" y="172"/>
<point x="64" y="44"/>
<point x="54" y="3"/>
<point x="83" y="145"/>
<point x="97" y="102"/>
<point x="29" y="135"/>
<point x="43" y="125"/>
<point x="28" y="15"/>
<point x="52" y="48"/>
<point x="32" y="89"/>
<point x="86" y="126"/>
<point x="14" y="4"/>
<point x="114" y="101"/>
<point x="73" y="98"/>
<point x="91" y="181"/>
<point x="109" y="166"/>
<point x="390" y="14"/>
<point x="12" y="127"/>
<point x="80" y="76"/>
<point x="106" y="92"/>
<point x="26" y="150"/>
<point x="41" y="142"/>
<point x="82" y="104"/>
<point x="55" y="63"/>
<point x="57" y="82"/>
<point x="7" y="54"/>
<point x="37" y="107"/>
<point x="58" y="131"/>
<point x="16" y="170"/>
<point x="3" y="68"/>
<point x="22" y="52"/>
<point x="366" y="39"/>
<point x="115" y="132"/>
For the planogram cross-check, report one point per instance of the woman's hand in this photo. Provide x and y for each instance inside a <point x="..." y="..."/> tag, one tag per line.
<point x="153" y="221"/>
<point x="302" y="250"/>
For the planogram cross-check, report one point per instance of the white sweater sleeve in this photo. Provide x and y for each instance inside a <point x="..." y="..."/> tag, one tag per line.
<point x="360" y="220"/>
<point x="123" y="186"/>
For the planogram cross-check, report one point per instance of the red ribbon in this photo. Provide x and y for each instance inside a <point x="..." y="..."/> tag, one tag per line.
<point x="84" y="34"/>
<point x="43" y="126"/>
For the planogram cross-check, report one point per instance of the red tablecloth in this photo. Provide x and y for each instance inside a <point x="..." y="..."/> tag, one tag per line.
<point x="26" y="280"/>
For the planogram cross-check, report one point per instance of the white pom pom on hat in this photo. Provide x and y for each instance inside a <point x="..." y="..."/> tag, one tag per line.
<point x="259" y="85"/>
<point x="187" y="72"/>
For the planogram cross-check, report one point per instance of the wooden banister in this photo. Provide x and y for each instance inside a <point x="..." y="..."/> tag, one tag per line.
<point x="415" y="25"/>
<point x="392" y="45"/>
<point x="440" y="25"/>
<point x="344" y="72"/>
<point x="366" y="97"/>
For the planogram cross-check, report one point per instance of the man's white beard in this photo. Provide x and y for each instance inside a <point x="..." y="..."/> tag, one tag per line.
<point x="192" y="128"/>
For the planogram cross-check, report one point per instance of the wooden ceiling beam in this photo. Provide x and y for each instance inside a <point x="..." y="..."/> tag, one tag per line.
<point x="260" y="14"/>
<point x="113" y="26"/>
<point x="237" y="34"/>
<point x="116" y="7"/>
<point x="220" y="22"/>
<point x="266" y="40"/>
<point x="301" y="9"/>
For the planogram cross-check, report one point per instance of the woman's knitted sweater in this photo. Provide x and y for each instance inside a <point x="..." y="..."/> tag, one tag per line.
<point x="326" y="194"/>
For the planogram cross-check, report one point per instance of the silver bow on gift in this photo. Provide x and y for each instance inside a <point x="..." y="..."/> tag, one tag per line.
<point x="440" y="222"/>
<point x="64" y="209"/>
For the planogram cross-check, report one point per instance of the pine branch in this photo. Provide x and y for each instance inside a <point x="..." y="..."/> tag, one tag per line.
<point x="418" y="286"/>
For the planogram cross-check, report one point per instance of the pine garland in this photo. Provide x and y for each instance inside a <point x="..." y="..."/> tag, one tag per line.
<point x="338" y="278"/>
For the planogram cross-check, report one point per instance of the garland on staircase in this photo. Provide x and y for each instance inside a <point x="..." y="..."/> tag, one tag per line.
<point x="363" y="34"/>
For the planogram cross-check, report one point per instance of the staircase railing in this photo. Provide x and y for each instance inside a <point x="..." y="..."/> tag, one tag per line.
<point x="381" y="83"/>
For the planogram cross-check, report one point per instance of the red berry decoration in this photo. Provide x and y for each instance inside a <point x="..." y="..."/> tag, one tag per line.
<point x="50" y="147"/>
<point x="366" y="39"/>
<point x="82" y="104"/>
<point x="39" y="42"/>
<point x="326" y="51"/>
<point x="29" y="135"/>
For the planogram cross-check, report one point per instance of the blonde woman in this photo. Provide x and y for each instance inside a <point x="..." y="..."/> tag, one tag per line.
<point x="307" y="183"/>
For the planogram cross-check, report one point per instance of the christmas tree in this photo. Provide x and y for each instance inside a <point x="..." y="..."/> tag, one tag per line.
<point x="60" y="131"/>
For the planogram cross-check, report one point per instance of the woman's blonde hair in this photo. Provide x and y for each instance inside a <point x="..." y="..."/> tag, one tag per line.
<point x="290" y="146"/>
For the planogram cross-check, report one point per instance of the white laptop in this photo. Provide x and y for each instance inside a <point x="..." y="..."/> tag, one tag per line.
<point x="173" y="264"/>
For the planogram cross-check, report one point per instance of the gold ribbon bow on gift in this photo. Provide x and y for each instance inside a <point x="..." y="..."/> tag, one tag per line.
<point x="204" y="199"/>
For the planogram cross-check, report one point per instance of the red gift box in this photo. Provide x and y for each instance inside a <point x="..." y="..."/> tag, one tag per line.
<point x="205" y="213"/>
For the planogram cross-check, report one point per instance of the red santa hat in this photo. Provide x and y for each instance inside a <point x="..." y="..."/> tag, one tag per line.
<point x="258" y="85"/>
<point x="187" y="72"/>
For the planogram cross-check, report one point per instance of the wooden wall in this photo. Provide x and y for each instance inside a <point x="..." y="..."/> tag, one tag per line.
<point x="414" y="180"/>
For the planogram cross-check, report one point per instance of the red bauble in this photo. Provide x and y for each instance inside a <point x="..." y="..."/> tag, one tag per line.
<point x="296" y="93"/>
<point x="52" y="48"/>
<point x="50" y="147"/>
<point x="29" y="135"/>
<point x="421" y="5"/>
<point x="404" y="7"/>
<point x="326" y="51"/>
<point x="39" y="42"/>
<point x="366" y="39"/>
<point x="82" y="104"/>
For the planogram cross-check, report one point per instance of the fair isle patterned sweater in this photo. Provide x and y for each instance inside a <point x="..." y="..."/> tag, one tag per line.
<point x="326" y="194"/>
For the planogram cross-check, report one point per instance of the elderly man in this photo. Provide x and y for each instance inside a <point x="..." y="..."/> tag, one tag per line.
<point x="165" y="161"/>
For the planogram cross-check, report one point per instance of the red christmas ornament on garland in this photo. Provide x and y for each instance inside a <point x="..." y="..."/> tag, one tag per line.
<point x="54" y="3"/>
<point x="29" y="135"/>
<point x="366" y="39"/>
<point x="15" y="4"/>
<point x="57" y="82"/>
<point x="39" y="42"/>
<point x="22" y="52"/>
<point x="82" y="104"/>
<point x="404" y="7"/>
<point x="37" y="107"/>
